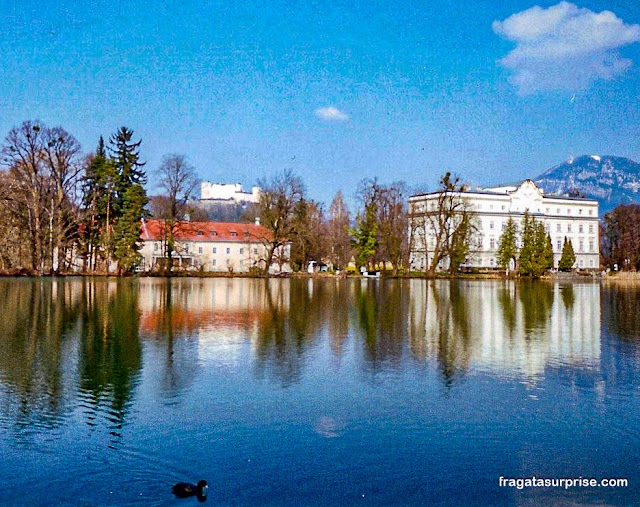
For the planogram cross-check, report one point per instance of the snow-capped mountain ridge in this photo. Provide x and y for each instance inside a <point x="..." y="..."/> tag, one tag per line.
<point x="611" y="180"/>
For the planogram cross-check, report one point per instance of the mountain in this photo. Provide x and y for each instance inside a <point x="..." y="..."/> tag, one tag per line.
<point x="610" y="180"/>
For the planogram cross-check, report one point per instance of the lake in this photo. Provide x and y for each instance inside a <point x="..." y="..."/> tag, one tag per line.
<point x="317" y="391"/>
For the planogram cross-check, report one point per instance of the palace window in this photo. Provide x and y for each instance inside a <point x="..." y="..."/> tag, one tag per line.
<point x="568" y="227"/>
<point x="559" y="245"/>
<point x="156" y="246"/>
<point x="241" y="251"/>
<point x="559" y="228"/>
<point x="591" y="228"/>
<point x="492" y="243"/>
<point x="580" y="228"/>
<point x="228" y="250"/>
<point x="255" y="251"/>
<point x="213" y="262"/>
<point x="214" y="249"/>
<point x="199" y="249"/>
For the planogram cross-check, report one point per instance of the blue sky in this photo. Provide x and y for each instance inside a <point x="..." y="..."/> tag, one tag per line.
<point x="337" y="91"/>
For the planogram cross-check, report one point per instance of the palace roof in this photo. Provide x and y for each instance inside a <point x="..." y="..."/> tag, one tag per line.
<point x="156" y="230"/>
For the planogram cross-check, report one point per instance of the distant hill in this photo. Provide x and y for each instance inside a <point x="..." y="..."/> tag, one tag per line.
<point x="610" y="180"/>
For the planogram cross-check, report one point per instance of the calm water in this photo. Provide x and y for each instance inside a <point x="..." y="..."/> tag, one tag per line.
<point x="316" y="392"/>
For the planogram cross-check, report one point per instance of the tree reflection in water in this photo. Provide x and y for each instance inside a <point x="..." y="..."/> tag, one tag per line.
<point x="68" y="341"/>
<point x="79" y="342"/>
<point x="36" y="321"/>
<point x="505" y="327"/>
<point x="110" y="353"/>
<point x="295" y="312"/>
<point x="382" y="321"/>
<point x="623" y="306"/>
<point x="537" y="299"/>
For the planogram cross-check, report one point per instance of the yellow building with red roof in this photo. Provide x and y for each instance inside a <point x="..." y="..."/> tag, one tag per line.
<point x="211" y="246"/>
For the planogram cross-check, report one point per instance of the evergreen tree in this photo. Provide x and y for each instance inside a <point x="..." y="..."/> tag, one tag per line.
<point x="365" y="236"/>
<point x="526" y="259"/>
<point x="100" y="185"/>
<point x="126" y="159"/>
<point x="130" y="200"/>
<point x="460" y="240"/>
<point x="507" y="248"/>
<point x="539" y="258"/>
<point x="536" y="255"/>
<point x="548" y="254"/>
<point x="128" y="229"/>
<point x="568" y="258"/>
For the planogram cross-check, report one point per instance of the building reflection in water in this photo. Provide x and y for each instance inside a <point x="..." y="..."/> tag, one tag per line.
<point x="280" y="319"/>
<point x="80" y="343"/>
<point x="504" y="327"/>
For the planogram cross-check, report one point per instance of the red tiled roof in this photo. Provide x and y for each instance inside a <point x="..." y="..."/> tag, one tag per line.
<point x="153" y="230"/>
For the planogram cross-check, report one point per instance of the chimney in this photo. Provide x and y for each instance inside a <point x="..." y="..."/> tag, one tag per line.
<point x="257" y="221"/>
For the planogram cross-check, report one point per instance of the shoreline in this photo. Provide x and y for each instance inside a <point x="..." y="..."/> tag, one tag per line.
<point x="574" y="276"/>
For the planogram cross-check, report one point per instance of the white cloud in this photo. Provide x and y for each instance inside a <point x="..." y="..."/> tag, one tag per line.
<point x="564" y="47"/>
<point x="331" y="113"/>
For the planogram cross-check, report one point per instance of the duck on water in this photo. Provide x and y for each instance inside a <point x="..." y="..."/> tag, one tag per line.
<point x="185" y="490"/>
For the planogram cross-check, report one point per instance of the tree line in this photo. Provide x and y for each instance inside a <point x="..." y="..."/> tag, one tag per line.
<point x="64" y="211"/>
<point x="377" y="236"/>
<point x="58" y="206"/>
<point x="620" y="238"/>
<point x="534" y="255"/>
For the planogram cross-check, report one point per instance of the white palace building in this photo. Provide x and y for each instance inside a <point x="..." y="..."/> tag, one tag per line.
<point x="573" y="218"/>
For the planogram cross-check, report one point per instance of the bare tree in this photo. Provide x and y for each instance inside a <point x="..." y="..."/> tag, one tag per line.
<point x="28" y="185"/>
<point x="443" y="227"/>
<point x="61" y="153"/>
<point x="386" y="204"/>
<point x="13" y="228"/>
<point x="177" y="178"/>
<point x="338" y="232"/>
<point x="281" y="198"/>
<point x="392" y="224"/>
<point x="310" y="238"/>
<point x="43" y="174"/>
